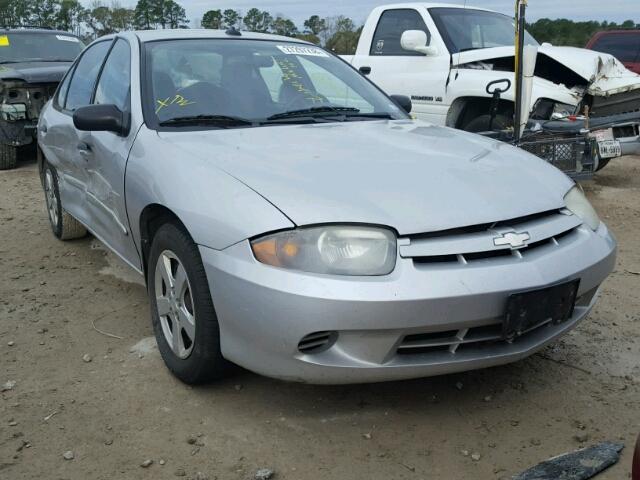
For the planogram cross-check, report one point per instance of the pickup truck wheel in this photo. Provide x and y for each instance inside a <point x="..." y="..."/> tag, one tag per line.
<point x="602" y="162"/>
<point x="8" y="156"/>
<point x="63" y="225"/>
<point x="184" y="319"/>
<point x="481" y="123"/>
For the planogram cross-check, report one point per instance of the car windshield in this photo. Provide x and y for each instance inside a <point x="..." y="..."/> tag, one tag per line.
<point x="469" y="29"/>
<point x="224" y="82"/>
<point x="42" y="47"/>
<point x="624" y="46"/>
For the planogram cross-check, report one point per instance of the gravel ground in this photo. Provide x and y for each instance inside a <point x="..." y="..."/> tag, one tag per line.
<point x="89" y="406"/>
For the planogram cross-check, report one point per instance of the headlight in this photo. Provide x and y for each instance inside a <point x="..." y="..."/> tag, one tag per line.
<point x="580" y="206"/>
<point x="12" y="112"/>
<point x="336" y="250"/>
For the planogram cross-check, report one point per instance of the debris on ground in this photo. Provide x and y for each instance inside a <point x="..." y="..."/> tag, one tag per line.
<point x="68" y="455"/>
<point x="147" y="463"/>
<point x="579" y="465"/>
<point x="264" y="474"/>
<point x="86" y="358"/>
<point x="8" y="386"/>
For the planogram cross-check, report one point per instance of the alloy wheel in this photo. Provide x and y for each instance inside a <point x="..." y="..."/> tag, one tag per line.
<point x="51" y="199"/>
<point x="174" y="303"/>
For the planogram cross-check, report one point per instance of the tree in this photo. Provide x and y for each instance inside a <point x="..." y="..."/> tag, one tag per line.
<point x="173" y="15"/>
<point x="231" y="18"/>
<point x="258" y="21"/>
<point x="212" y="19"/>
<point x="344" y="38"/>
<point x="70" y="16"/>
<point x="315" y="24"/>
<point x="143" y="15"/>
<point x="284" y="26"/>
<point x="308" y="37"/>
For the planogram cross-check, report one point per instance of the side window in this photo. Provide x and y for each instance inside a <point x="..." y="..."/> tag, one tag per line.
<point x="85" y="75"/>
<point x="115" y="80"/>
<point x="392" y="24"/>
<point x="62" y="90"/>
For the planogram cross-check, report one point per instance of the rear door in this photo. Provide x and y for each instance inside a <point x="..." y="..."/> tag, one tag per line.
<point x="402" y="72"/>
<point x="66" y="146"/>
<point x="107" y="158"/>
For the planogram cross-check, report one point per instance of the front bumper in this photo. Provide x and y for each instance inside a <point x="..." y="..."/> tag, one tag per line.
<point x="264" y="312"/>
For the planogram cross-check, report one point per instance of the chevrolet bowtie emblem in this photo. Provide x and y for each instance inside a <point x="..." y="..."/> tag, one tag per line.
<point x="513" y="239"/>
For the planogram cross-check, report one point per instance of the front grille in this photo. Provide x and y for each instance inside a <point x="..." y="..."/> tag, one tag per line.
<point x="570" y="154"/>
<point x="317" y="342"/>
<point x="617" y="103"/>
<point x="471" y="339"/>
<point x="548" y="230"/>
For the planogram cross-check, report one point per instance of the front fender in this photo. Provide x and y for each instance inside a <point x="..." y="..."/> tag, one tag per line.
<point x="217" y="209"/>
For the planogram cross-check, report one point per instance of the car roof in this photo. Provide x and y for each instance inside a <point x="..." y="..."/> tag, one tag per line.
<point x="431" y="5"/>
<point x="189" y="33"/>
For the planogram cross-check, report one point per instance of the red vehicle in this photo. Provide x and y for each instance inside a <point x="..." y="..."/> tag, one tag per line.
<point x="622" y="44"/>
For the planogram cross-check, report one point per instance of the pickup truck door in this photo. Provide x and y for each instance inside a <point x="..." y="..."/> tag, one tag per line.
<point x="107" y="159"/>
<point x="402" y="72"/>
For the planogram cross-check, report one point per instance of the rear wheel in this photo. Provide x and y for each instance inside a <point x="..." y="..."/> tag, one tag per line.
<point x="182" y="313"/>
<point x="8" y="156"/>
<point x="63" y="225"/>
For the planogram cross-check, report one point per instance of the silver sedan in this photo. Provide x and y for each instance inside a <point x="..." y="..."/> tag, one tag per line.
<point x="291" y="218"/>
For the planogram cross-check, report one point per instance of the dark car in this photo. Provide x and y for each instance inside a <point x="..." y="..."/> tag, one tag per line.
<point x="622" y="44"/>
<point x="32" y="63"/>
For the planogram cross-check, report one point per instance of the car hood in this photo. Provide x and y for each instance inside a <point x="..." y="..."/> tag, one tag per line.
<point x="603" y="73"/>
<point x="412" y="176"/>
<point x="34" y="72"/>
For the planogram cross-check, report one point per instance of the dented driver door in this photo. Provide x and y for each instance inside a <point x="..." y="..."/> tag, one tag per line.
<point x="106" y="163"/>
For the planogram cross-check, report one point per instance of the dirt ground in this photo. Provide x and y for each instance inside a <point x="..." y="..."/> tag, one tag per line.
<point x="123" y="407"/>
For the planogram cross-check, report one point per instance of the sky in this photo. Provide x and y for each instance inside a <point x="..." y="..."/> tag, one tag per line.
<point x="299" y="10"/>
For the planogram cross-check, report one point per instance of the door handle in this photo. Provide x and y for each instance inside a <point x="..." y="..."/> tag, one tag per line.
<point x="84" y="149"/>
<point x="365" y="70"/>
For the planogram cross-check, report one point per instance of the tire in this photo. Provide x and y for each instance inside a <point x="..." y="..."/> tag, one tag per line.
<point x="63" y="225"/>
<point x="193" y="355"/>
<point x="481" y="123"/>
<point x="8" y="157"/>
<point x="602" y="162"/>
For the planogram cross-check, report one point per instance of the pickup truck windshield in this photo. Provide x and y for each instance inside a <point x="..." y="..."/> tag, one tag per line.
<point x="18" y="47"/>
<point x="224" y="83"/>
<point x="469" y="29"/>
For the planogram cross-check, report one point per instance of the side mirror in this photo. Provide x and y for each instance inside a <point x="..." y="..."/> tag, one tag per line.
<point x="416" y="41"/>
<point x="101" y="118"/>
<point x="403" y="102"/>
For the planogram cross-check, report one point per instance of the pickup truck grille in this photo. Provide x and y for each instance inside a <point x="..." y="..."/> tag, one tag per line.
<point x="496" y="241"/>
<point x="615" y="104"/>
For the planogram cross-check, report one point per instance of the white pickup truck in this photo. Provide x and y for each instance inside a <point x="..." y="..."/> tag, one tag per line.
<point x="444" y="56"/>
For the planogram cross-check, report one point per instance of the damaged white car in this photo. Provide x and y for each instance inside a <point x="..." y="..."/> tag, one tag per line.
<point x="445" y="57"/>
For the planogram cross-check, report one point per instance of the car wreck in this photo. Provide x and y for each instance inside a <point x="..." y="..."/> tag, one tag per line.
<point x="32" y="63"/>
<point x="445" y="57"/>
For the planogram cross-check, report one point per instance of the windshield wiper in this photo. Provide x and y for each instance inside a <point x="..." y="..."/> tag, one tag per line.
<point x="216" y="120"/>
<point x="313" y="111"/>
<point x="374" y="115"/>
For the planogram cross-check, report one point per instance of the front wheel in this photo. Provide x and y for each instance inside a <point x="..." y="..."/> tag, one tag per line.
<point x="184" y="320"/>
<point x="8" y="156"/>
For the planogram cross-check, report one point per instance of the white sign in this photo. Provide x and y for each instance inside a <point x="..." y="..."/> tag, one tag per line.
<point x="67" y="39"/>
<point x="302" y="50"/>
